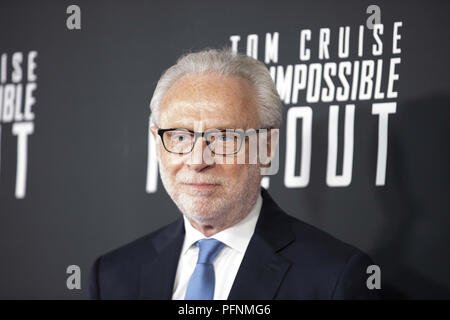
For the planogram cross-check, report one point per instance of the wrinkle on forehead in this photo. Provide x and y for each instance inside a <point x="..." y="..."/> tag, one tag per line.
<point x="215" y="100"/>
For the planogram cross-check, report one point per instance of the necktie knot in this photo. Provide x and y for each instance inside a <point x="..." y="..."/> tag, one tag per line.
<point x="208" y="250"/>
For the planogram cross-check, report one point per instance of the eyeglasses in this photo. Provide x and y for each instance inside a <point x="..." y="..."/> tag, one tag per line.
<point x="220" y="142"/>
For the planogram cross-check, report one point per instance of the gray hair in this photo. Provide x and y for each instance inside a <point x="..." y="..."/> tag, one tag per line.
<point x="227" y="63"/>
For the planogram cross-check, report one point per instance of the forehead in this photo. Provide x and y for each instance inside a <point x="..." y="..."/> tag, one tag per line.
<point x="214" y="100"/>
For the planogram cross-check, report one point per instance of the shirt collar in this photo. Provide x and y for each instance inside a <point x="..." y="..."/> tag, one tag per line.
<point x="237" y="236"/>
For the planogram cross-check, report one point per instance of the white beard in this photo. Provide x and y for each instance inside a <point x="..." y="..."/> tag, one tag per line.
<point x="216" y="211"/>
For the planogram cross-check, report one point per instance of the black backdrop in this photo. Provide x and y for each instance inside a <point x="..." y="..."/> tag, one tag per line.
<point x="83" y="187"/>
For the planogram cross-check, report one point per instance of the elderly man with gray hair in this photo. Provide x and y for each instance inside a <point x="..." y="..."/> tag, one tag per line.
<point x="232" y="241"/>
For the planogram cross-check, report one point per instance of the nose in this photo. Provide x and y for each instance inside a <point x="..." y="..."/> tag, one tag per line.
<point x="200" y="157"/>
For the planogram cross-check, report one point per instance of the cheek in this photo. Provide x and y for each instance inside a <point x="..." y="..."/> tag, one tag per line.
<point x="172" y="163"/>
<point x="234" y="172"/>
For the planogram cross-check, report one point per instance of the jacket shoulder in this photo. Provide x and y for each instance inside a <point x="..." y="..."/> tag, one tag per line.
<point x="115" y="274"/>
<point x="323" y="242"/>
<point x="332" y="268"/>
<point x="132" y="251"/>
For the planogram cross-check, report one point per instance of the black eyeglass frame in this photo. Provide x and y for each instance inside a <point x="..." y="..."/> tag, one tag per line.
<point x="243" y="135"/>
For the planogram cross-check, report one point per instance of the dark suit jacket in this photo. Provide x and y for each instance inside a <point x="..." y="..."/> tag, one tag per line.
<point x="285" y="259"/>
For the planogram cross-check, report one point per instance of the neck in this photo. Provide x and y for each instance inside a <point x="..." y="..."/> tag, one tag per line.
<point x="207" y="230"/>
<point x="211" y="228"/>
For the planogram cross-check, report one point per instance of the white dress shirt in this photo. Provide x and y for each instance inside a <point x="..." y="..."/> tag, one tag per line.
<point x="226" y="265"/>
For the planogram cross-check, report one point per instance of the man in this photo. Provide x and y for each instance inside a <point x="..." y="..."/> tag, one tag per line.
<point x="232" y="241"/>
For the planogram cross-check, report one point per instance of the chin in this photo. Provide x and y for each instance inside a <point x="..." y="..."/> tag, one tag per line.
<point x="201" y="210"/>
<point x="201" y="202"/>
<point x="203" y="218"/>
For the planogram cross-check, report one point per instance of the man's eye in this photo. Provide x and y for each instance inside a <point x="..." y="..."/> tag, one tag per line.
<point x="226" y="138"/>
<point x="221" y="138"/>
<point x="180" y="137"/>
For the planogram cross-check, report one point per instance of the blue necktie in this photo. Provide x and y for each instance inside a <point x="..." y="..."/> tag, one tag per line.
<point x="202" y="282"/>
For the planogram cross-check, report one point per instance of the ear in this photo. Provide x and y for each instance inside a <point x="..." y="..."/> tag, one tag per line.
<point x="270" y="165"/>
<point x="273" y="137"/>
<point x="271" y="143"/>
<point x="154" y="132"/>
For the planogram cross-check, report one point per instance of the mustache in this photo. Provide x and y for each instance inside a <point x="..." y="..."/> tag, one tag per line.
<point x="190" y="179"/>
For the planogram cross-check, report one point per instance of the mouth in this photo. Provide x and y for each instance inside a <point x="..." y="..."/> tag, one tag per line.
<point x="201" y="186"/>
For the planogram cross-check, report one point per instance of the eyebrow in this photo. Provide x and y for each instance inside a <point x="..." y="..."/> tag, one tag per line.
<point x="221" y="127"/>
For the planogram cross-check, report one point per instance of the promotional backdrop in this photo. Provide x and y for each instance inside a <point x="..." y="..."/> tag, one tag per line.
<point x="364" y="143"/>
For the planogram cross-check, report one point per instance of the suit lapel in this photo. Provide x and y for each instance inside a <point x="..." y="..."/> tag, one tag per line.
<point x="157" y="274"/>
<point x="262" y="269"/>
